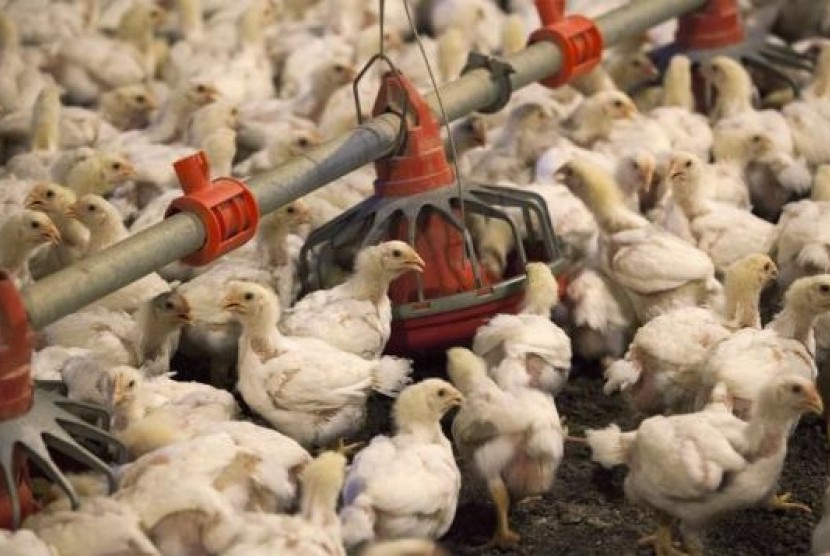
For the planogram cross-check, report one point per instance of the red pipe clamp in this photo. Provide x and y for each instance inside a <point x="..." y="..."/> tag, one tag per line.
<point x="577" y="37"/>
<point x="227" y="208"/>
<point x="716" y="25"/>
<point x="16" y="388"/>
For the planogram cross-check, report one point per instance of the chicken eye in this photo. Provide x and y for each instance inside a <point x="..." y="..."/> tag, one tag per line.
<point x="635" y="63"/>
<point x="169" y="306"/>
<point x="249" y="296"/>
<point x="290" y="210"/>
<point x="303" y="142"/>
<point x="767" y="267"/>
<point x="339" y="69"/>
<point x="397" y="253"/>
<point x="115" y="166"/>
<point x="131" y="384"/>
<point x="618" y="104"/>
<point x="795" y="388"/>
<point x="91" y="208"/>
<point x="756" y="138"/>
<point x="50" y="193"/>
<point x="201" y="89"/>
<point x="824" y="288"/>
<point x="688" y="164"/>
<point x="442" y="392"/>
<point x="141" y="99"/>
<point x="35" y="225"/>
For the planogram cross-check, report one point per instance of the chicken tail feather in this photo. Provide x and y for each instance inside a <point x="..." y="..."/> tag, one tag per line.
<point x="814" y="257"/>
<point x="609" y="446"/>
<point x="391" y="375"/>
<point x="620" y="375"/>
<point x="357" y="522"/>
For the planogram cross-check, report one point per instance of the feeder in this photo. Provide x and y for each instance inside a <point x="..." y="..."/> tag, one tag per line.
<point x="418" y="200"/>
<point x="718" y="30"/>
<point x="34" y="420"/>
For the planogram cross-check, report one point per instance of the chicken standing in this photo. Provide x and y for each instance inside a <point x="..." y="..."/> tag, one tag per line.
<point x="511" y="437"/>
<point x="695" y="467"/>
<point x="355" y="316"/>
<point x="304" y="387"/>
<point x="406" y="485"/>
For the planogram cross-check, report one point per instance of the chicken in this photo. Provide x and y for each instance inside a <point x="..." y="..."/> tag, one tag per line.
<point x="750" y="358"/>
<point x="147" y="339"/>
<point x="304" y="387"/>
<point x="723" y="232"/>
<point x="21" y="234"/>
<point x="355" y="316"/>
<point x="128" y="107"/>
<point x="117" y="528"/>
<point x="24" y="543"/>
<point x="695" y="467"/>
<point x="594" y="118"/>
<point x="173" y="114"/>
<point x="528" y="348"/>
<point x="55" y="200"/>
<point x="88" y="171"/>
<point x="657" y="270"/>
<point x="511" y="438"/>
<point x="406" y="485"/>
<point x="660" y="370"/>
<point x="802" y="245"/>
<point x="106" y="228"/>
<point x="314" y="531"/>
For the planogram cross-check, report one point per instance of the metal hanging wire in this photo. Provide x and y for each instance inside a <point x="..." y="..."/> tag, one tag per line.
<point x="446" y="120"/>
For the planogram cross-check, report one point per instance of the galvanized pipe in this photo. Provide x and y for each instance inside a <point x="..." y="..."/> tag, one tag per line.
<point x="70" y="289"/>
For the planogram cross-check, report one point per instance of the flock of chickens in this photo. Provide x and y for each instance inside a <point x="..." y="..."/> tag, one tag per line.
<point x="677" y="224"/>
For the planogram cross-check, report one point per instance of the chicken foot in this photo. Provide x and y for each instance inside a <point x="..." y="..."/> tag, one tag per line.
<point x="661" y="540"/>
<point x="503" y="537"/>
<point x="782" y="502"/>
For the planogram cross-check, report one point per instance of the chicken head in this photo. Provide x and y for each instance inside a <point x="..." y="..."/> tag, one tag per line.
<point x="425" y="403"/>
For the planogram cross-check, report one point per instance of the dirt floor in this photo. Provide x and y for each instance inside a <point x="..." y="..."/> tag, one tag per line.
<point x="586" y="511"/>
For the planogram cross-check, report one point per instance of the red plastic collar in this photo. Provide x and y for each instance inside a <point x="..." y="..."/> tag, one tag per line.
<point x="716" y="25"/>
<point x="16" y="342"/>
<point x="577" y="37"/>
<point x="421" y="164"/>
<point x="226" y="207"/>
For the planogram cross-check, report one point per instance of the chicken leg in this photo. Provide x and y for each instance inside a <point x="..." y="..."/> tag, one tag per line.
<point x="782" y="502"/>
<point x="661" y="540"/>
<point x="348" y="449"/>
<point x="503" y="537"/>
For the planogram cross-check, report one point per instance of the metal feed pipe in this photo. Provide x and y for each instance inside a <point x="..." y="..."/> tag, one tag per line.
<point x="68" y="290"/>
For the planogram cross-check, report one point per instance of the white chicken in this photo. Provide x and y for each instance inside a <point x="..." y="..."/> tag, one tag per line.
<point x="21" y="234"/>
<point x="314" y="531"/>
<point x="660" y="370"/>
<point x="695" y="467"/>
<point x="723" y="232"/>
<point x="406" y="485"/>
<point x="55" y="200"/>
<point x="750" y="358"/>
<point x="355" y="316"/>
<point x="304" y="387"/>
<point x="510" y="436"/>
<point x="528" y="347"/>
<point x="657" y="270"/>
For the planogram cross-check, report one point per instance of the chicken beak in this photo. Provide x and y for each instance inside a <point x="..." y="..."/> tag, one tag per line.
<point x="813" y="402"/>
<point x="350" y="73"/>
<point x="231" y="303"/>
<point x="34" y="202"/>
<point x="127" y="171"/>
<point x="415" y="263"/>
<point x="52" y="235"/>
<point x="455" y="400"/>
<point x="71" y="212"/>
<point x="646" y="176"/>
<point x="630" y="111"/>
<point x="303" y="216"/>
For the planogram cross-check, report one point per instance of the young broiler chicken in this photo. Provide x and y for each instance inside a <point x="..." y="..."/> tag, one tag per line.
<point x="802" y="245"/>
<point x="748" y="359"/>
<point x="355" y="316"/>
<point x="406" y="485"/>
<point x="314" y="531"/>
<point x="528" y="347"/>
<point x="695" y="467"/>
<point x="657" y="270"/>
<point x="55" y="200"/>
<point x="21" y="234"/>
<point x="190" y="495"/>
<point x="660" y="369"/>
<point x="105" y="229"/>
<point x="723" y="232"/>
<point x="594" y="119"/>
<point x="304" y="387"/>
<point x="146" y="339"/>
<point x="508" y="433"/>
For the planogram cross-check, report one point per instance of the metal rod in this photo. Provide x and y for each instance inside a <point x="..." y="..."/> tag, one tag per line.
<point x="73" y="287"/>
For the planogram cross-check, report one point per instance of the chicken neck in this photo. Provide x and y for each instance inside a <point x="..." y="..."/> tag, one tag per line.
<point x="319" y="502"/>
<point x="690" y="197"/>
<point x="677" y="87"/>
<point x="767" y="430"/>
<point x="110" y="232"/>
<point x="154" y="337"/>
<point x="272" y="241"/>
<point x="14" y="254"/>
<point x="741" y="303"/>
<point x="733" y="97"/>
<point x="369" y="282"/>
<point x="191" y="24"/>
<point x="260" y="336"/>
<point x="795" y="321"/>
